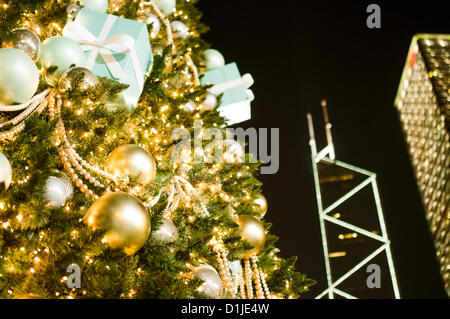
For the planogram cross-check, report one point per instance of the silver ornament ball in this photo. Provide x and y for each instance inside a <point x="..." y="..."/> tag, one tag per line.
<point x="167" y="233"/>
<point x="158" y="49"/>
<point x="179" y="30"/>
<point x="212" y="285"/>
<point x="67" y="79"/>
<point x="57" y="190"/>
<point x="28" y="42"/>
<point x="115" y="103"/>
<point x="5" y="173"/>
<point x="235" y="267"/>
<point x="72" y="11"/>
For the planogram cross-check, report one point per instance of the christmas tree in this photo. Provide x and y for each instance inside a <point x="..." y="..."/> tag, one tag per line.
<point x="100" y="194"/>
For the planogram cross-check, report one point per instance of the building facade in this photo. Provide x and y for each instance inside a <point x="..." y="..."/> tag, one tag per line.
<point x="356" y="247"/>
<point x="423" y="104"/>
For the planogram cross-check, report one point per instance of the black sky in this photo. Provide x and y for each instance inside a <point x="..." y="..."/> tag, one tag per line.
<point x="301" y="51"/>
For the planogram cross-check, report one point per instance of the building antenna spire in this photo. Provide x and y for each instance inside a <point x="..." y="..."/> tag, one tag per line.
<point x="312" y="139"/>
<point x="328" y="129"/>
<point x="329" y="149"/>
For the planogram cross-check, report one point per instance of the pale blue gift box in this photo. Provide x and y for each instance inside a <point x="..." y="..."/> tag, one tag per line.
<point x="235" y="103"/>
<point x="94" y="22"/>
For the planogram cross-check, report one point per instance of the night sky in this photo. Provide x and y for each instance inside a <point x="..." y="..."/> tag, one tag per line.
<point x="302" y="51"/>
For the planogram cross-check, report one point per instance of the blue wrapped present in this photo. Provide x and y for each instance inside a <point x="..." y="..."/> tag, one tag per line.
<point x="235" y="104"/>
<point x="115" y="47"/>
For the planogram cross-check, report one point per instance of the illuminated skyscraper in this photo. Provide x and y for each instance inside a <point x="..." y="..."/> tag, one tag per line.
<point x="423" y="103"/>
<point x="354" y="237"/>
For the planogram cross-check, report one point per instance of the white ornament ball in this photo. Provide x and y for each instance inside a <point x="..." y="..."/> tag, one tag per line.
<point x="212" y="285"/>
<point x="179" y="30"/>
<point x="61" y="52"/>
<point x="210" y="102"/>
<point x="166" y="6"/>
<point x="151" y="19"/>
<point x="96" y="5"/>
<point x="19" y="76"/>
<point x="213" y="59"/>
<point x="167" y="232"/>
<point x="189" y="106"/>
<point x="5" y="173"/>
<point x="57" y="190"/>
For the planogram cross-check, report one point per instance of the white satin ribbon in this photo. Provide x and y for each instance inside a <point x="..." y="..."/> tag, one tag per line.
<point x="119" y="43"/>
<point x="246" y="80"/>
<point x="250" y="95"/>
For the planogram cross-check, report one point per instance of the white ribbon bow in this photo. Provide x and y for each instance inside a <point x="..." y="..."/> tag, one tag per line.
<point x="246" y="80"/>
<point x="119" y="43"/>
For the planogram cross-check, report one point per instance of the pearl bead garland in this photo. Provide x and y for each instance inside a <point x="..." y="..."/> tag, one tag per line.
<point x="55" y="113"/>
<point x="166" y="23"/>
<point x="193" y="68"/>
<point x="248" y="278"/>
<point x="266" y="289"/>
<point x="258" y="288"/>
<point x="244" y="278"/>
<point x="32" y="108"/>
<point x="224" y="271"/>
<point x="241" y="285"/>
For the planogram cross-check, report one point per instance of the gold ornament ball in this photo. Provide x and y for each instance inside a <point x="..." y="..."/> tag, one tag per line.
<point x="251" y="230"/>
<point x="133" y="162"/>
<point x="260" y="205"/>
<point x="124" y="219"/>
